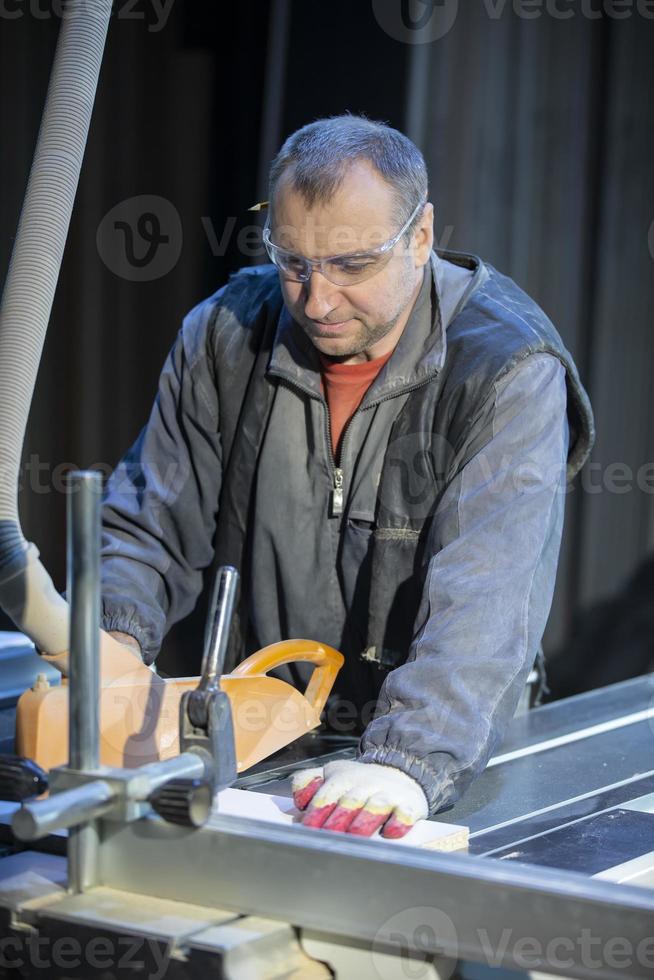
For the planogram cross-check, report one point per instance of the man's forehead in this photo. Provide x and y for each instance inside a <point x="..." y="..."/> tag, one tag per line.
<point x="358" y="216"/>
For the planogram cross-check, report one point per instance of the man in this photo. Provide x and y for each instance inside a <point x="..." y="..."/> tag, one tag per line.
<point x="376" y="436"/>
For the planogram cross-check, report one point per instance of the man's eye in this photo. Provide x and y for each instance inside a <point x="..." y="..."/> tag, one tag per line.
<point x="352" y="265"/>
<point x="294" y="263"/>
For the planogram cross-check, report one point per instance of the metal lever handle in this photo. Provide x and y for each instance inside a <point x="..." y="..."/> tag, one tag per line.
<point x="222" y="610"/>
<point x="20" y="779"/>
<point x="216" y="643"/>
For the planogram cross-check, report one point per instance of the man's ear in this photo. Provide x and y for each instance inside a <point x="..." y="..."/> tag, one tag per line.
<point x="423" y="236"/>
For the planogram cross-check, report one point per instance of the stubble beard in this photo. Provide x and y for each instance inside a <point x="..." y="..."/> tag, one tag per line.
<point x="366" y="337"/>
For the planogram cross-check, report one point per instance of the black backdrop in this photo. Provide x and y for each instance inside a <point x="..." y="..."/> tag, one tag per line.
<point x="537" y="126"/>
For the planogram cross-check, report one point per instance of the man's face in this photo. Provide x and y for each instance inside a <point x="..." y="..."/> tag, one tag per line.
<point x="355" y="322"/>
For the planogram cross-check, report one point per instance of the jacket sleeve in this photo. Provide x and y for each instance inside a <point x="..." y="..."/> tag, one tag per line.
<point x="488" y="591"/>
<point x="159" y="512"/>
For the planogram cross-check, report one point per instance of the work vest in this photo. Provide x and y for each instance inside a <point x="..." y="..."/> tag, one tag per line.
<point x="435" y="431"/>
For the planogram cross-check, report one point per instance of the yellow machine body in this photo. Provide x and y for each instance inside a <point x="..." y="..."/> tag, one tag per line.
<point x="139" y="711"/>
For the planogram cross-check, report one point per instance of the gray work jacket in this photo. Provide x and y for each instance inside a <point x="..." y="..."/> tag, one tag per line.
<point x="440" y="565"/>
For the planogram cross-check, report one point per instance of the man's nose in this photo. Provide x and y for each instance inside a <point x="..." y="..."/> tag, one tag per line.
<point x="321" y="296"/>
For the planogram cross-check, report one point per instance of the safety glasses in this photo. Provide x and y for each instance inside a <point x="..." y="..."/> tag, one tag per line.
<point x="341" y="270"/>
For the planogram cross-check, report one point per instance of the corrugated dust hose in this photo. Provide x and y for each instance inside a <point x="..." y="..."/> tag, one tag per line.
<point x="27" y="593"/>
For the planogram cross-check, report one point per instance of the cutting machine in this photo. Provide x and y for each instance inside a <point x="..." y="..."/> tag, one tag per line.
<point x="125" y="867"/>
<point x="558" y="878"/>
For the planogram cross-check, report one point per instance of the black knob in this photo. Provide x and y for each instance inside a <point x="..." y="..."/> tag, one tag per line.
<point x="20" y="779"/>
<point x="186" y="802"/>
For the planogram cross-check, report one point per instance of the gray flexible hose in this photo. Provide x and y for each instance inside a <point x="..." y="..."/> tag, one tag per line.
<point x="26" y="590"/>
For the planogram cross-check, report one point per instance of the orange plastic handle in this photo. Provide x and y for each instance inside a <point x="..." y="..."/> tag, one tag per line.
<point x="327" y="660"/>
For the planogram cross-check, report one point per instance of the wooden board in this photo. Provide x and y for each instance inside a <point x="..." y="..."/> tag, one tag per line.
<point x="280" y="809"/>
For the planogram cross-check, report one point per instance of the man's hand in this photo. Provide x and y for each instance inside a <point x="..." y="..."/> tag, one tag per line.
<point x="359" y="798"/>
<point x="60" y="660"/>
<point x="128" y="641"/>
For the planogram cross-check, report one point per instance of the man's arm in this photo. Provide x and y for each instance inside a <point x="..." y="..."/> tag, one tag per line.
<point x="160" y="508"/>
<point x="487" y="595"/>
<point x="495" y="542"/>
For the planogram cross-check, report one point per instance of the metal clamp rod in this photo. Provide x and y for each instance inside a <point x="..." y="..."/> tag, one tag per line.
<point x="86" y="801"/>
<point x="144" y="781"/>
<point x="85" y="490"/>
<point x="61" y="810"/>
<point x="224" y="596"/>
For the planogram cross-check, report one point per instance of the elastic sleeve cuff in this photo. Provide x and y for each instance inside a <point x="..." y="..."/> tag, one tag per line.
<point x="439" y="791"/>
<point x="121" y="623"/>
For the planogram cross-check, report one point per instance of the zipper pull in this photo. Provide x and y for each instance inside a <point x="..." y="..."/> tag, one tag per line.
<point x="336" y="501"/>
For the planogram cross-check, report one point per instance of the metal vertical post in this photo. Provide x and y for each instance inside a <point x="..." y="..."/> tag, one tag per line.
<point x="279" y="22"/>
<point x="83" y="547"/>
<point x="418" y="93"/>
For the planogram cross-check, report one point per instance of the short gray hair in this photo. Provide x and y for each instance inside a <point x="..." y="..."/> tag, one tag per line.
<point x="319" y="154"/>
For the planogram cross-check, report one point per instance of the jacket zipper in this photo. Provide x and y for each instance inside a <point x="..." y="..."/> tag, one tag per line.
<point x="337" y="493"/>
<point x="336" y="496"/>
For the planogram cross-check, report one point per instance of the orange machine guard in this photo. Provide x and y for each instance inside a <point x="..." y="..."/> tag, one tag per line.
<point x="139" y="711"/>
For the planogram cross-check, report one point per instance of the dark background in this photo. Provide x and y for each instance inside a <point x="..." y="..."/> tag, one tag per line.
<point x="537" y="124"/>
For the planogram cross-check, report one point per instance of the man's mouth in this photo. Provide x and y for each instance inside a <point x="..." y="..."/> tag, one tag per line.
<point x="335" y="325"/>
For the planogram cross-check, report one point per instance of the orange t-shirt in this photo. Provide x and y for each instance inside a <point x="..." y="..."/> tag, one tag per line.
<point x="344" y="386"/>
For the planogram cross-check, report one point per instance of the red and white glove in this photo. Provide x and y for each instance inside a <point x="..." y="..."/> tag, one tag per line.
<point x="359" y="798"/>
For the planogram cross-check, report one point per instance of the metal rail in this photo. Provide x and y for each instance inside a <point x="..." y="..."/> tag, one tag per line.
<point x="370" y="891"/>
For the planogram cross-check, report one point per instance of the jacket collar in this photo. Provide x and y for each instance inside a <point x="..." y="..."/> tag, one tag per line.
<point x="420" y="351"/>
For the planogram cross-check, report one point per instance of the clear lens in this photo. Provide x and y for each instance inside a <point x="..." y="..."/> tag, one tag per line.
<point x="346" y="271"/>
<point x="342" y="271"/>
<point x="292" y="266"/>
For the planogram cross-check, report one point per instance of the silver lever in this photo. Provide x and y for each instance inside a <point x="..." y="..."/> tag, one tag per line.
<point x="216" y="643"/>
<point x="222" y="610"/>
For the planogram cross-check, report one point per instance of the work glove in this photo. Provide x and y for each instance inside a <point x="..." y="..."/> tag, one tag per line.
<point x="359" y="798"/>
